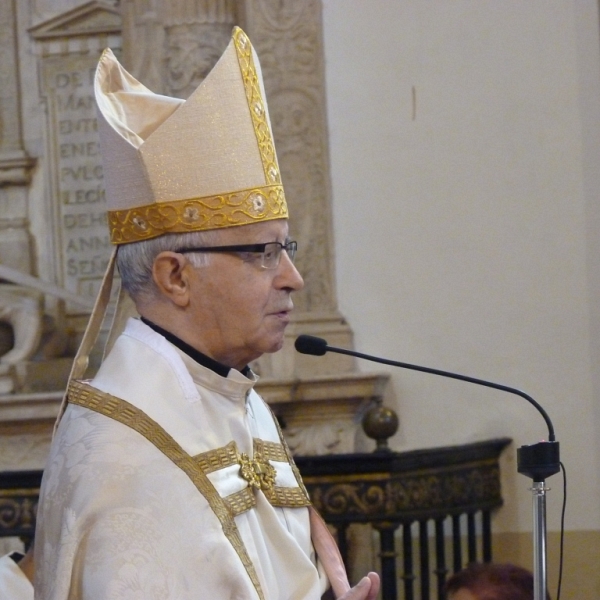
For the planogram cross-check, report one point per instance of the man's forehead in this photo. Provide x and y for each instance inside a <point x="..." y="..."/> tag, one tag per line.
<point x="266" y="231"/>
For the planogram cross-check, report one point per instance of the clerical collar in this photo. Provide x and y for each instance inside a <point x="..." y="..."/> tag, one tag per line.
<point x="199" y="357"/>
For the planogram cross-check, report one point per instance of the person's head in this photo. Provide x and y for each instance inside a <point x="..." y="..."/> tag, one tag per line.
<point x="199" y="173"/>
<point x="491" y="582"/>
<point x="228" y="305"/>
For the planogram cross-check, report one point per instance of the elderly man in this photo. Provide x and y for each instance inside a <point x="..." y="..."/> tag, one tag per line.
<point x="168" y="476"/>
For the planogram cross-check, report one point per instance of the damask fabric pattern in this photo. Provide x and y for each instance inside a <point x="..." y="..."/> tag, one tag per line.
<point x="13" y="583"/>
<point x="118" y="519"/>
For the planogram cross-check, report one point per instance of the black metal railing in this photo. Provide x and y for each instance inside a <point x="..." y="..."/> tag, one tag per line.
<point x="432" y="508"/>
<point x="19" y="492"/>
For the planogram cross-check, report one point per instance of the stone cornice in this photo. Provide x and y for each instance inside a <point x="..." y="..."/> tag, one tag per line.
<point x="89" y="19"/>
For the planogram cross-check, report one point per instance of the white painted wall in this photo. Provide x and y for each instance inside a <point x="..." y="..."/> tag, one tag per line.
<point x="467" y="225"/>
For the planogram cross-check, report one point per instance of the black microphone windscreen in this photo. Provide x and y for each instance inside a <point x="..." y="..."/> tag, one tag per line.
<point x="309" y="344"/>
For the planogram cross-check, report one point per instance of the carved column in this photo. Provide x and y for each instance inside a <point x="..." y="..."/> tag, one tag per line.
<point x="15" y="165"/>
<point x="288" y="37"/>
<point x="15" y="176"/>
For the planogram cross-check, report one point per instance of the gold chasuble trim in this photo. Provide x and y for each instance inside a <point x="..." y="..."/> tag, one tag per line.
<point x="259" y="474"/>
<point x="84" y="395"/>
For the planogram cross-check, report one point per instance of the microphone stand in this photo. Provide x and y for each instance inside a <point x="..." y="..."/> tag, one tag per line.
<point x="537" y="461"/>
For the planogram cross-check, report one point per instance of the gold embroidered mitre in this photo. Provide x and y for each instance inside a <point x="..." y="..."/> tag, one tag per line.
<point x="173" y="166"/>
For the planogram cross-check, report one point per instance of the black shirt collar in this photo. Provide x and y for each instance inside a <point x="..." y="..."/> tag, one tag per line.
<point x="199" y="357"/>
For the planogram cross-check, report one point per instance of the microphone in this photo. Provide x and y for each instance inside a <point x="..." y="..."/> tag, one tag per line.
<point x="309" y="344"/>
<point x="537" y="461"/>
<point x="316" y="346"/>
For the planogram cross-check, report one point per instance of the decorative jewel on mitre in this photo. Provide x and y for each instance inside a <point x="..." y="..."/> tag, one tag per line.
<point x="173" y="166"/>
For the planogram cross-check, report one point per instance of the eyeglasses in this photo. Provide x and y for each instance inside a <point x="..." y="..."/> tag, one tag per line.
<point x="270" y="252"/>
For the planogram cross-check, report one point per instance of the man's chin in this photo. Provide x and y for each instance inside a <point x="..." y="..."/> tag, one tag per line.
<point x="275" y="346"/>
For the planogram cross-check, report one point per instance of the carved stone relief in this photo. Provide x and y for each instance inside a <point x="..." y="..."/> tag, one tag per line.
<point x="67" y="46"/>
<point x="192" y="51"/>
<point x="287" y="36"/>
<point x="197" y="33"/>
<point x="188" y="37"/>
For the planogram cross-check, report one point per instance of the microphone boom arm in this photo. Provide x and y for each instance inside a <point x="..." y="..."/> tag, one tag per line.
<point x="490" y="384"/>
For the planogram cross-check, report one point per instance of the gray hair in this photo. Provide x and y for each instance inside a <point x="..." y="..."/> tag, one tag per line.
<point x="135" y="260"/>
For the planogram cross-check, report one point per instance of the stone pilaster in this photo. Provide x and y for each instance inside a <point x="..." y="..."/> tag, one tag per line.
<point x="15" y="165"/>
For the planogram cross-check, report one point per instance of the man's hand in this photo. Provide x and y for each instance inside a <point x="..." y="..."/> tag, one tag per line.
<point x="366" y="589"/>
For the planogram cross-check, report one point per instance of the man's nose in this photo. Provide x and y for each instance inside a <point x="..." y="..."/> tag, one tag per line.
<point x="288" y="276"/>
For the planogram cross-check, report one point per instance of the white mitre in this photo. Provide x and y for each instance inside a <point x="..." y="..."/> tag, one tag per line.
<point x="173" y="166"/>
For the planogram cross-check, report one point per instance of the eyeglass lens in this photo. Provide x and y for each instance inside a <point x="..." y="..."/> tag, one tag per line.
<point x="272" y="253"/>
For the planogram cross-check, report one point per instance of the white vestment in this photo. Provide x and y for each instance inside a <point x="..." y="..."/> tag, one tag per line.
<point x="118" y="519"/>
<point x="13" y="583"/>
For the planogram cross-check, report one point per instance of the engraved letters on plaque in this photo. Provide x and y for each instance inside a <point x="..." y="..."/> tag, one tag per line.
<point x="80" y="205"/>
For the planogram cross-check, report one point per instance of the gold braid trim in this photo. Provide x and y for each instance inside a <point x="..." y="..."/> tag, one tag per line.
<point x="213" y="460"/>
<point x="258" y="473"/>
<point x="279" y="497"/>
<point x="270" y="450"/>
<point x="115" y="408"/>
<point x="285" y="497"/>
<point x="197" y="214"/>
<point x="282" y="497"/>
<point x="241" y="501"/>
<point x="257" y="106"/>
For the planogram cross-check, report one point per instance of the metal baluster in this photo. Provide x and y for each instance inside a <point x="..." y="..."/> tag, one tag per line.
<point x="486" y="522"/>
<point x="471" y="538"/>
<point x="424" y="559"/>
<point x="389" y="588"/>
<point x="440" y="557"/>
<point x="407" y="554"/>
<point x="342" y="541"/>
<point x="456" y="544"/>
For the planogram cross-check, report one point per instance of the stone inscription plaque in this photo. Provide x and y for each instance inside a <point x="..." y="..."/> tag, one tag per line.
<point x="82" y="240"/>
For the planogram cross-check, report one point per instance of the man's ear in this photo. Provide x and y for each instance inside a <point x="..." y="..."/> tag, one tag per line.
<point x="172" y="277"/>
